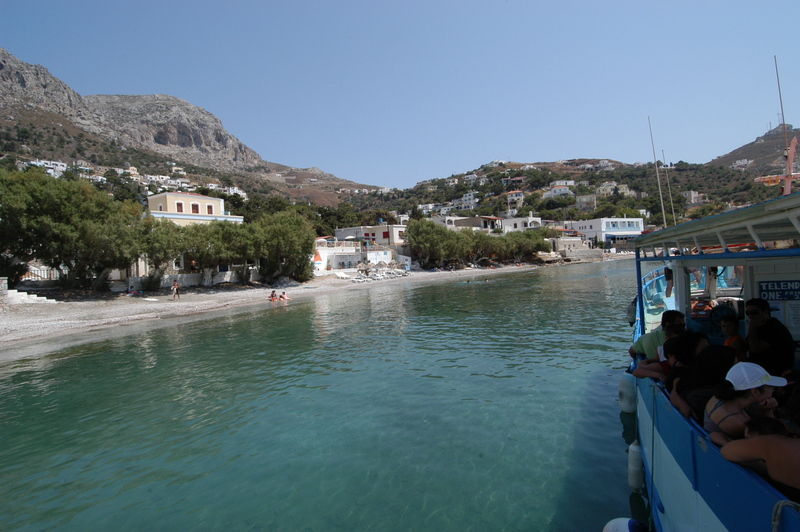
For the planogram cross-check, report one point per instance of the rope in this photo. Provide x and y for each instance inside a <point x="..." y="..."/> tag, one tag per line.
<point x="777" y="512"/>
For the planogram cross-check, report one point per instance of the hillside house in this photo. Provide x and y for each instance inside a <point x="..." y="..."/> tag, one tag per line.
<point x="525" y="223"/>
<point x="586" y="202"/>
<point x="556" y="192"/>
<point x="185" y="208"/>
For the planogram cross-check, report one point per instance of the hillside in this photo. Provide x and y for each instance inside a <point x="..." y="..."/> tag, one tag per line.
<point x="762" y="156"/>
<point x="42" y="117"/>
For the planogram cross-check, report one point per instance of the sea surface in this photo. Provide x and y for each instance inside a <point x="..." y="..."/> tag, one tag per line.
<point x="483" y="405"/>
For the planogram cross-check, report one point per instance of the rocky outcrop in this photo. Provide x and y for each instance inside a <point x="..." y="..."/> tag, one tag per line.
<point x="159" y="123"/>
<point x="170" y="126"/>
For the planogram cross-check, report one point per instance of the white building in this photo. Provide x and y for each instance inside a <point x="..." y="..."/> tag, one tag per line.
<point x="335" y="255"/>
<point x="563" y="183"/>
<point x="609" y="230"/>
<point x="383" y="235"/>
<point x="511" y="225"/>
<point x="53" y="168"/>
<point x="556" y="192"/>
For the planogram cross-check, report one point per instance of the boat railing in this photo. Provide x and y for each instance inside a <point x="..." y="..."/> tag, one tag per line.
<point x="739" y="498"/>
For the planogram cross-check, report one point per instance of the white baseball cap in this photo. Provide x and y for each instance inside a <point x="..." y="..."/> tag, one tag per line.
<point x="746" y="376"/>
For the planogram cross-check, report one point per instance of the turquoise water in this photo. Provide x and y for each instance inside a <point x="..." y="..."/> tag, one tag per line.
<point x="457" y="406"/>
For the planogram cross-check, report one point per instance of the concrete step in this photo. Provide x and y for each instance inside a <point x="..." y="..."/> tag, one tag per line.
<point x="15" y="297"/>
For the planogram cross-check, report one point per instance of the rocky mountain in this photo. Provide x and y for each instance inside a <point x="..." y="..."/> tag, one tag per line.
<point x="159" y="124"/>
<point x="764" y="155"/>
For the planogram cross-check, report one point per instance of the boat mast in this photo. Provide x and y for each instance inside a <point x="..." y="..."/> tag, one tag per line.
<point x="669" y="189"/>
<point x="658" y="177"/>
<point x="787" y="180"/>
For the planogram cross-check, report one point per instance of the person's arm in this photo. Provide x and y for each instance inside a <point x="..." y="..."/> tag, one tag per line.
<point x="647" y="368"/>
<point x="744" y="450"/>
<point x="719" y="438"/>
<point x="678" y="401"/>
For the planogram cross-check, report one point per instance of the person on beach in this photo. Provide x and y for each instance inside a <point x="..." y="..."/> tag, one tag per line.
<point x="273" y="296"/>
<point x="176" y="290"/>
<point x="284" y="297"/>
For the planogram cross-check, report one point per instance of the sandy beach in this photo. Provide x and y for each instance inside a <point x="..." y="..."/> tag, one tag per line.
<point x="36" y="329"/>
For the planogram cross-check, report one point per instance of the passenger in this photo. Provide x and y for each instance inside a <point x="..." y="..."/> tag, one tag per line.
<point x="767" y="449"/>
<point x="769" y="342"/>
<point x="746" y="387"/>
<point x="678" y="356"/>
<point x="650" y="345"/>
<point x="701" y="380"/>
<point x="730" y="328"/>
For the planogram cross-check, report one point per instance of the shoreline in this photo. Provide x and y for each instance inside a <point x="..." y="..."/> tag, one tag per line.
<point x="35" y="330"/>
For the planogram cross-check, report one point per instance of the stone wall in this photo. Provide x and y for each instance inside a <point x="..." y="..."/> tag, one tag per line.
<point x="3" y="293"/>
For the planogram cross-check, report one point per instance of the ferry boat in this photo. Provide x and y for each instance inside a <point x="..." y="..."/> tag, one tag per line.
<point x="717" y="263"/>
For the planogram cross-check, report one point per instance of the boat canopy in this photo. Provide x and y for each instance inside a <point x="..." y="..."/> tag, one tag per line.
<point x="749" y="227"/>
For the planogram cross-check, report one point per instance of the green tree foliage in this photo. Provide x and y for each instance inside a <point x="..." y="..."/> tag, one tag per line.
<point x="288" y="241"/>
<point x="426" y="240"/>
<point x="68" y="225"/>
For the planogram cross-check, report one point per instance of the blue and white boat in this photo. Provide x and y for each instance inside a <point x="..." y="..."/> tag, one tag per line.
<point x="717" y="263"/>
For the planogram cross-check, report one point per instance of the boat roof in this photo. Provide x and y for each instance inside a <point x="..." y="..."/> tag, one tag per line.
<point x="772" y="220"/>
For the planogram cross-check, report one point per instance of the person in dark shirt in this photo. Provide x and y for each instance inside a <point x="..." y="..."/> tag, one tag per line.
<point x="769" y="342"/>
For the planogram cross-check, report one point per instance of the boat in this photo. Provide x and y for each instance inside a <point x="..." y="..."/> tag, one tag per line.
<point x="717" y="263"/>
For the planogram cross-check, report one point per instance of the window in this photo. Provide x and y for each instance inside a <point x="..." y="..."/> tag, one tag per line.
<point x="179" y="206"/>
<point x="160" y="207"/>
<point x="209" y="209"/>
<point x="386" y="235"/>
<point x="195" y="208"/>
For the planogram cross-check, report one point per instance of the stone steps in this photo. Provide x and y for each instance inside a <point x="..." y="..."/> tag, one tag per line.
<point x="15" y="297"/>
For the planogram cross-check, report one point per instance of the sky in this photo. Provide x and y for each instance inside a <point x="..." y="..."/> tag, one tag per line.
<point x="390" y="93"/>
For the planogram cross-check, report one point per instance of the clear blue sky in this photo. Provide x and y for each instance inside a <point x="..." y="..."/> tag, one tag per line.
<point x="391" y="92"/>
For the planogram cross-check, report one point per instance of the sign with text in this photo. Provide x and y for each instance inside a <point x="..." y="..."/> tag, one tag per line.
<point x="779" y="290"/>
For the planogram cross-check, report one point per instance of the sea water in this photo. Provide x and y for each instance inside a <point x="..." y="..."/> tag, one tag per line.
<point x="482" y="405"/>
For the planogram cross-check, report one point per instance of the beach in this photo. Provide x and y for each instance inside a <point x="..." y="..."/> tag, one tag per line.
<point x="36" y="329"/>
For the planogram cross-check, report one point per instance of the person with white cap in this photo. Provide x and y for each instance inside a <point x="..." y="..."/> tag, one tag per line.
<point x="746" y="385"/>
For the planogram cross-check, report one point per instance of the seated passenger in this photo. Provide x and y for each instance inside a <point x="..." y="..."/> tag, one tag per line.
<point x="747" y="386"/>
<point x="730" y="328"/>
<point x="767" y="449"/>
<point x="769" y="342"/>
<point x="678" y="352"/>
<point x="649" y="345"/>
<point x="700" y="381"/>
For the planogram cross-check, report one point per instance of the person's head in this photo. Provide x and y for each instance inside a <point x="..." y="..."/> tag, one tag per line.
<point x="673" y="323"/>
<point x="764" y="426"/>
<point x="729" y="325"/>
<point x="746" y="379"/>
<point x="713" y="363"/>
<point x="682" y="349"/>
<point x="757" y="310"/>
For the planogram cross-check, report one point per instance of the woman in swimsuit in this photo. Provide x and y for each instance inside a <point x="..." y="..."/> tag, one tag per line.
<point x="746" y="386"/>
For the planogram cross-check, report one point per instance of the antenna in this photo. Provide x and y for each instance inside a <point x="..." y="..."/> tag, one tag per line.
<point x="658" y="178"/>
<point x="780" y="98"/>
<point x="669" y="189"/>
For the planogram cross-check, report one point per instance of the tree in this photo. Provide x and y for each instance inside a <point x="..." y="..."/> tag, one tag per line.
<point x="161" y="241"/>
<point x="426" y="239"/>
<point x="288" y="240"/>
<point x="68" y="225"/>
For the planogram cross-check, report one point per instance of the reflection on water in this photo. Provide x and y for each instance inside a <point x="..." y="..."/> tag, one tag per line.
<point x="460" y="406"/>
